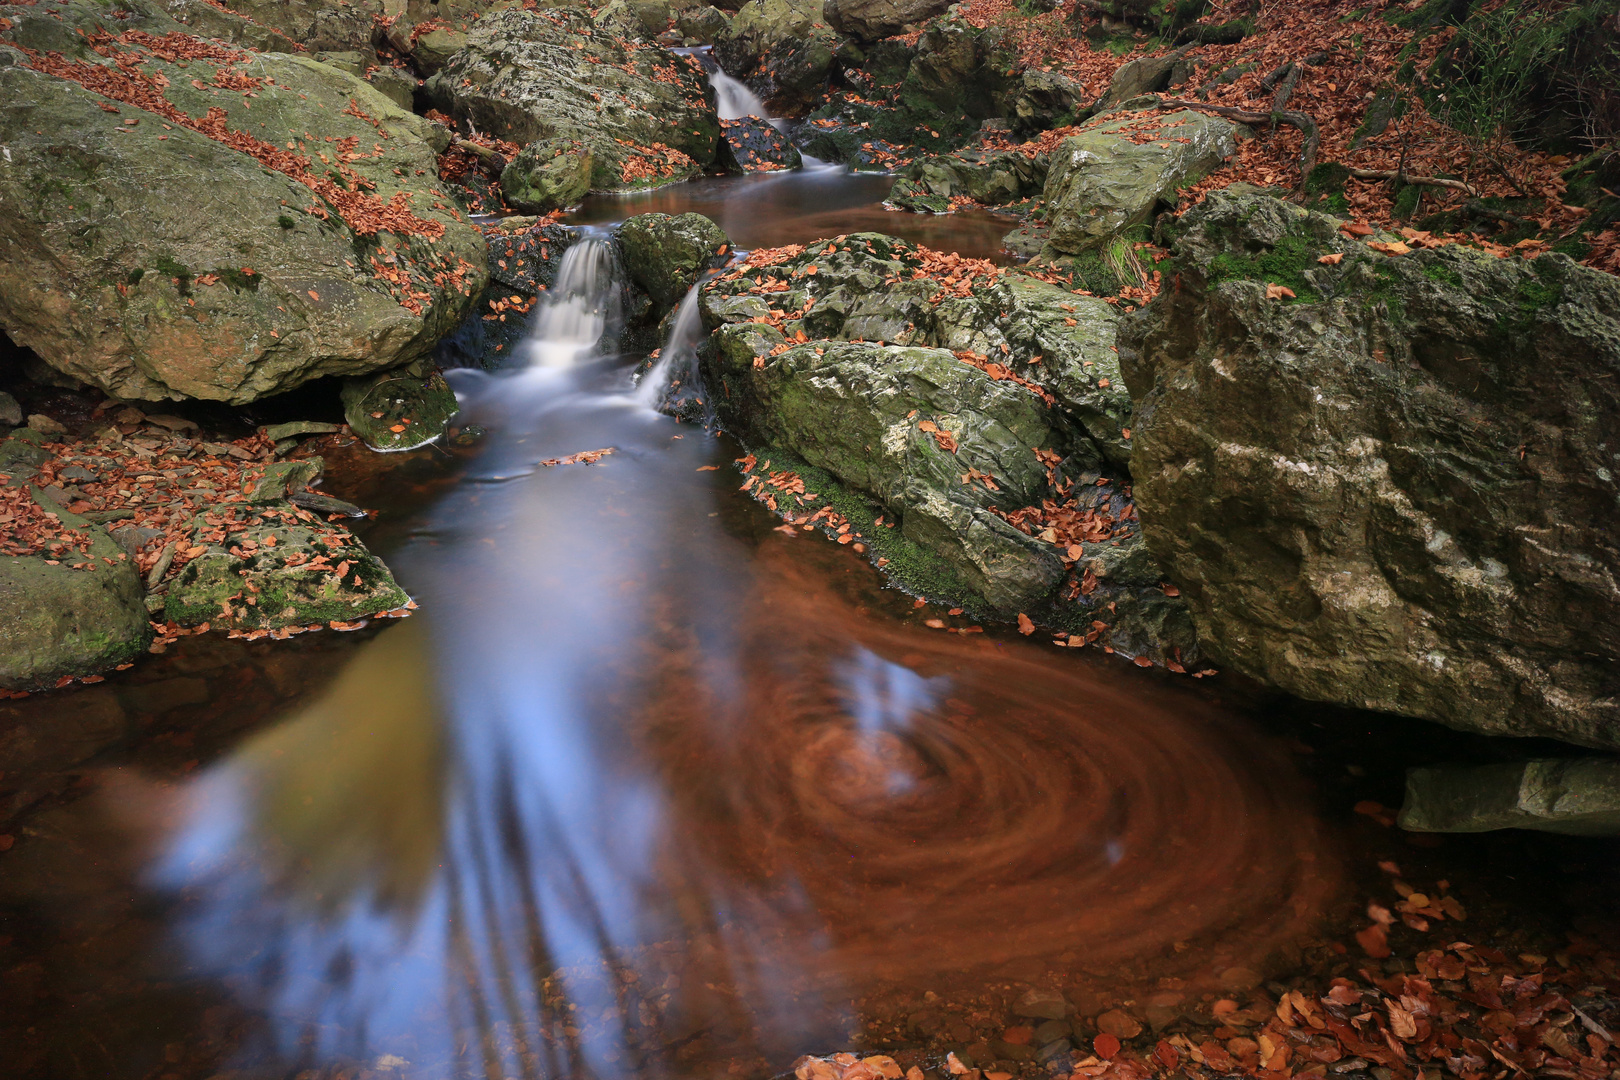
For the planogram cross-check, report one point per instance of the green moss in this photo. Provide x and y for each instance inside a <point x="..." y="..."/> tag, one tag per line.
<point x="912" y="567"/>
<point x="135" y="275"/>
<point x="1283" y="265"/>
<point x="285" y="222"/>
<point x="1439" y="271"/>
<point x="236" y="279"/>
<point x="1407" y="201"/>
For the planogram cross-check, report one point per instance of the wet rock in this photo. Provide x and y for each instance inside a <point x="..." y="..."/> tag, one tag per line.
<point x="918" y="197"/>
<point x="992" y="177"/>
<point x="56" y="621"/>
<point x="1101" y="182"/>
<point x="548" y="175"/>
<point x="1042" y="1005"/>
<point x="133" y="537"/>
<point x="664" y="255"/>
<point x="750" y="144"/>
<point x="216" y="277"/>
<point x="959" y="76"/>
<point x="289" y="430"/>
<point x="267" y="577"/>
<point x="397" y="410"/>
<point x="532" y="75"/>
<point x="434" y="49"/>
<point x="1395" y="489"/>
<point x="282" y="478"/>
<point x="869" y="20"/>
<point x="784" y="49"/>
<point x="11" y="414"/>
<point x="1574" y="796"/>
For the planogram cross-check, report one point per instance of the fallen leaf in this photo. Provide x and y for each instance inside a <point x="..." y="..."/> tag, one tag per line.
<point x="1025" y="625"/>
<point x="1279" y="292"/>
<point x="1333" y="259"/>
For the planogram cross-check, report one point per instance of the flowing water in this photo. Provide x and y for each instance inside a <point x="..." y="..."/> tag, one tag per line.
<point x="649" y="787"/>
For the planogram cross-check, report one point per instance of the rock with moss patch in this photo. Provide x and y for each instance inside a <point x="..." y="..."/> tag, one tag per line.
<point x="993" y="177"/>
<point x="267" y="577"/>
<point x="703" y="24"/>
<point x="398" y="410"/>
<point x="533" y="75"/>
<point x="59" y="621"/>
<point x="155" y="262"/>
<point x="665" y="255"/>
<point x="1396" y="489"/>
<point x="1115" y="171"/>
<point x="283" y="478"/>
<point x="547" y="175"/>
<point x="1571" y="796"/>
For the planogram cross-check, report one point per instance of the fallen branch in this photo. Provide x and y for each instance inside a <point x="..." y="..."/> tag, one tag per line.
<point x="1307" y="126"/>
<point x="1408" y="178"/>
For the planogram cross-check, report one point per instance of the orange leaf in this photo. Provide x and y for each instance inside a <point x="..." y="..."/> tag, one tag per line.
<point x="1332" y="260"/>
<point x="1279" y="292"/>
<point x="1106" y="1046"/>
<point x="1025" y="625"/>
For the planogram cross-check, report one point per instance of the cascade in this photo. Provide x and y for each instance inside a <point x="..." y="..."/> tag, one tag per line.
<point x="580" y="306"/>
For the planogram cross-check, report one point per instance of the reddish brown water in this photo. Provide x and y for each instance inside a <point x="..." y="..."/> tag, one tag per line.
<point x="649" y="788"/>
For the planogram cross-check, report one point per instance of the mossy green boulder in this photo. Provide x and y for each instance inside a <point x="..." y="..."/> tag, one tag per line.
<point x="267" y="577"/>
<point x="59" y="621"/>
<point x="547" y="175"/>
<point x="149" y="254"/>
<point x="398" y="410"/>
<point x="665" y="255"/>
<point x="1396" y="488"/>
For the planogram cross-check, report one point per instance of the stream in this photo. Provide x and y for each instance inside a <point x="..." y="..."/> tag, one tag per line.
<point x="651" y="786"/>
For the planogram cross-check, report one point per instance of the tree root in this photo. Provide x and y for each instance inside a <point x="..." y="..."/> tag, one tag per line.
<point x="1408" y="178"/>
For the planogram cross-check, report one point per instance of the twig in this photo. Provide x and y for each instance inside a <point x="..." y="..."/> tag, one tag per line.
<point x="1407" y="178"/>
<point x="1307" y="126"/>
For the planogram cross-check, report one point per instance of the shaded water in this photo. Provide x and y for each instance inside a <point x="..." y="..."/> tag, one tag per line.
<point x="650" y="787"/>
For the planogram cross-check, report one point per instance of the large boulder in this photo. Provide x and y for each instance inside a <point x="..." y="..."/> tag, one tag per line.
<point x="1119" y="167"/>
<point x="1387" y="480"/>
<point x="646" y="115"/>
<point x="165" y="235"/>
<point x="870" y="20"/>
<point x="353" y="24"/>
<point x="665" y="255"/>
<point x="982" y="410"/>
<point x="71" y="613"/>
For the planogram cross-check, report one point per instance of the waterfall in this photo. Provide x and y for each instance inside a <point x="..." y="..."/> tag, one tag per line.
<point x="733" y="100"/>
<point x="579" y="307"/>
<point x="674" y="379"/>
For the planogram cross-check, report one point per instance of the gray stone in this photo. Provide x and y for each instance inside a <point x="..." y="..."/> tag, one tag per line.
<point x="665" y="255"/>
<point x="283" y="478"/>
<point x="869" y="20"/>
<point x="1039" y="1004"/>
<point x="1396" y="489"/>
<point x="277" y="432"/>
<point x="1101" y="183"/>
<point x="11" y="413"/>
<point x="1574" y="796"/>
<point x="548" y="175"/>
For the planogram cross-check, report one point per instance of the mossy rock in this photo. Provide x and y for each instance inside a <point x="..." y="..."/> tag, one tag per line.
<point x="267" y="577"/>
<point x="665" y="255"/>
<point x="57" y="621"/>
<point x="547" y="175"/>
<point x="397" y="410"/>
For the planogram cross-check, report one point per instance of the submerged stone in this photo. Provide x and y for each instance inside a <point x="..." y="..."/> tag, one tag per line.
<point x="397" y="410"/>
<point x="1573" y="796"/>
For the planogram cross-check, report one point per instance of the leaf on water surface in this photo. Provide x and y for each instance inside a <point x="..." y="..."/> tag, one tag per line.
<point x="1026" y="625"/>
